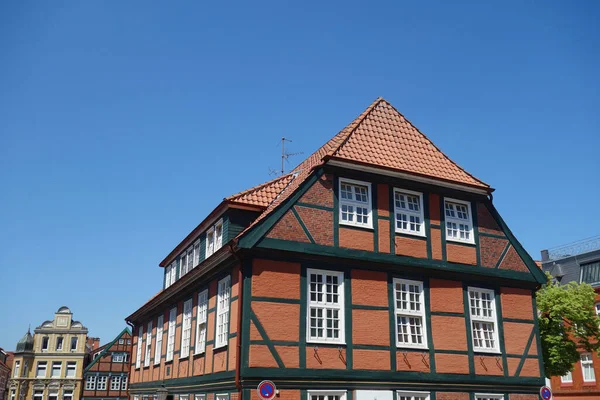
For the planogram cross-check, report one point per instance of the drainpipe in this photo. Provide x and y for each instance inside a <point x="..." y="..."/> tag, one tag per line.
<point x="238" y="348"/>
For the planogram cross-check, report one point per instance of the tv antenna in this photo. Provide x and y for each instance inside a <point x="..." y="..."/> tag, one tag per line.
<point x="284" y="157"/>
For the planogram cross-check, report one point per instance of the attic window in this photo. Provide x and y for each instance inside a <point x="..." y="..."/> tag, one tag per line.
<point x="459" y="221"/>
<point x="355" y="203"/>
<point x="214" y="238"/>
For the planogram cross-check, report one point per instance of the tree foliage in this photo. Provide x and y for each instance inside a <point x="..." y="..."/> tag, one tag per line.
<point x="567" y="322"/>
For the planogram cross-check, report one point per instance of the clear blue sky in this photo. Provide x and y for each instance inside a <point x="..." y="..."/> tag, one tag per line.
<point x="122" y="124"/>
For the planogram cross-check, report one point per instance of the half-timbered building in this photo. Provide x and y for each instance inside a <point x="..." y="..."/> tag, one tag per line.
<point x="376" y="269"/>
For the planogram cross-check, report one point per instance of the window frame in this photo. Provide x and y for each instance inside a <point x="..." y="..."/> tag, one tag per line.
<point x="408" y="213"/>
<point x="148" y="346"/>
<point x="138" y="355"/>
<point x="421" y="314"/>
<point x="341" y="340"/>
<point x="459" y="221"/>
<point x="201" y="322"/>
<point x="355" y="203"/>
<point x="115" y="379"/>
<point x="217" y="241"/>
<point x="16" y="369"/>
<point x="494" y="320"/>
<point x="102" y="379"/>
<point x="76" y="343"/>
<point x="589" y="362"/>
<point x="59" y="363"/>
<point x="160" y="324"/>
<point x="45" y="345"/>
<point x="124" y="382"/>
<point x="341" y="393"/>
<point x="186" y="326"/>
<point x="90" y="382"/>
<point x="74" y="369"/>
<point x="563" y="379"/>
<point x="59" y="340"/>
<point x="412" y="394"/>
<point x="200" y="396"/>
<point x="223" y="290"/>
<point x="171" y="334"/>
<point x="37" y="369"/>
<point x="491" y="396"/>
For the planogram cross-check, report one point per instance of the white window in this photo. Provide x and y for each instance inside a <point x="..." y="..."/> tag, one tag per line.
<point x="59" y="343"/>
<point x="223" y="294"/>
<point x="325" y="307"/>
<point x="148" y="345"/>
<point x="90" y="382"/>
<point x="74" y="341"/>
<point x="115" y="383"/>
<point x="459" y="223"/>
<point x="136" y="397"/>
<point x="190" y="259"/>
<point x="40" y="372"/>
<point x="13" y="394"/>
<point x="45" y="343"/>
<point x="186" y="329"/>
<point x="355" y="203"/>
<point x="121" y="341"/>
<point x="56" y="369"/>
<point x="168" y="275"/>
<point x="38" y="394"/>
<point x="118" y="357"/>
<point x="327" y="395"/>
<point x="138" y="356"/>
<point x="52" y="394"/>
<point x="67" y="394"/>
<point x="171" y="333"/>
<point x="199" y="397"/>
<point x="412" y="395"/>
<point x="410" y="314"/>
<point x="201" y="322"/>
<point x="214" y="238"/>
<point x="102" y="382"/>
<point x="183" y="264"/>
<point x="184" y="397"/>
<point x="17" y="369"/>
<point x="173" y="272"/>
<point x="587" y="366"/>
<point x="598" y="309"/>
<point x="408" y="207"/>
<point x="71" y="368"/>
<point x="196" y="253"/>
<point x="124" y="383"/>
<point x="485" y="396"/>
<point x="159" y="340"/>
<point x="483" y="320"/>
<point x="567" y="378"/>
<point x="222" y="397"/>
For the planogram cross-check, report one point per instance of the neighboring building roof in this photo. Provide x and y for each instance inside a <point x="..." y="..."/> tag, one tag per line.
<point x="264" y="194"/>
<point x="25" y="344"/>
<point x="106" y="348"/>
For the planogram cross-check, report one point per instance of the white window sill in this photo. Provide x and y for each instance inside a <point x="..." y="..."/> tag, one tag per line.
<point x="418" y="234"/>
<point x="220" y="346"/>
<point x="400" y="346"/>
<point x="356" y="225"/>
<point x="316" y="341"/>
<point x="183" y="358"/>
<point x="487" y="351"/>
<point x="448" y="239"/>
<point x="199" y="352"/>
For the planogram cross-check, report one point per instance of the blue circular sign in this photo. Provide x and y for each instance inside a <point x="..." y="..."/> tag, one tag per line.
<point x="266" y="390"/>
<point x="546" y="393"/>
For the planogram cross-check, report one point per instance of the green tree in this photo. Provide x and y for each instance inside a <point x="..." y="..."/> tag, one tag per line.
<point x="567" y="321"/>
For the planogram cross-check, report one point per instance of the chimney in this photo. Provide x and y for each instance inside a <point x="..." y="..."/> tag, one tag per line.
<point x="545" y="256"/>
<point x="93" y="342"/>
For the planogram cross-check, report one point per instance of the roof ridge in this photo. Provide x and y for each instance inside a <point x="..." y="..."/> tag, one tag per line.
<point x="435" y="146"/>
<point x="258" y="187"/>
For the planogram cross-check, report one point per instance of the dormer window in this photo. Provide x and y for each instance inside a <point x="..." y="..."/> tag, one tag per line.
<point x="355" y="203"/>
<point x="214" y="238"/>
<point x="189" y="259"/>
<point x="459" y="222"/>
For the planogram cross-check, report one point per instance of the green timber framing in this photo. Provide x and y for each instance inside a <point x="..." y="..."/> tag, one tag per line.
<point x="106" y="349"/>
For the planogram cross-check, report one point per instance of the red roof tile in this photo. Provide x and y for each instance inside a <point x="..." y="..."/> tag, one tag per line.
<point x="264" y="194"/>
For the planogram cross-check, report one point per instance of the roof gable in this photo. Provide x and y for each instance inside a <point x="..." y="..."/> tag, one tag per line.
<point x="107" y="348"/>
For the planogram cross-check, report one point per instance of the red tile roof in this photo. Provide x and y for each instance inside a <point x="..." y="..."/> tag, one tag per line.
<point x="380" y="137"/>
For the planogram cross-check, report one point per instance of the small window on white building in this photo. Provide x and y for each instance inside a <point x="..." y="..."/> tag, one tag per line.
<point x="171" y="334"/>
<point x="404" y="395"/>
<point x="90" y="382"/>
<point x="355" y="203"/>
<point x="214" y="238"/>
<point x="567" y="378"/>
<point x="325" y="317"/>
<point x="327" y="395"/>
<point x="71" y="368"/>
<point x="482" y="308"/>
<point x="186" y="329"/>
<point x="52" y="394"/>
<point x="587" y="366"/>
<point x="159" y="339"/>
<point x="409" y="303"/>
<point x="408" y="208"/>
<point x="38" y="394"/>
<point x="201" y="314"/>
<point x="148" y="345"/>
<point x="459" y="221"/>
<point x="223" y="294"/>
<point x="138" y="356"/>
